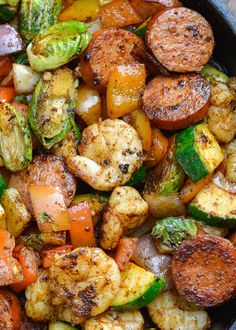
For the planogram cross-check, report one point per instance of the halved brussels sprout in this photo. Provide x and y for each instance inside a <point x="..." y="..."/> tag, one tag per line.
<point x="162" y="187"/>
<point x="52" y="106"/>
<point x="36" y="16"/>
<point x="167" y="177"/>
<point x="15" y="139"/>
<point x="172" y="231"/>
<point x="58" y="45"/>
<point x="69" y="145"/>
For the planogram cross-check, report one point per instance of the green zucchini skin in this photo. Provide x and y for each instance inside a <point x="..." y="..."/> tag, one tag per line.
<point x="138" y="288"/>
<point x="138" y="176"/>
<point x="7" y="13"/>
<point x="36" y="16"/>
<point x="3" y="184"/>
<point x="187" y="155"/>
<point x="197" y="151"/>
<point x="206" y="206"/>
<point x="213" y="75"/>
<point x="157" y="287"/>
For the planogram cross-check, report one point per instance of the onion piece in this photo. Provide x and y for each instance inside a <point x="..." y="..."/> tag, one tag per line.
<point x="221" y="182"/>
<point x="95" y="26"/>
<point x="164" y="205"/>
<point x="25" y="79"/>
<point x="146" y="256"/>
<point x="10" y="41"/>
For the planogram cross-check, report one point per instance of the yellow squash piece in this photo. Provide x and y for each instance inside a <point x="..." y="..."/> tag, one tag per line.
<point x="81" y="10"/>
<point x="125" y="85"/>
<point x="140" y="121"/>
<point x="17" y="216"/>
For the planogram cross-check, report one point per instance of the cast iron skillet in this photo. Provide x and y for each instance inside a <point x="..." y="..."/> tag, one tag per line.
<point x="223" y="23"/>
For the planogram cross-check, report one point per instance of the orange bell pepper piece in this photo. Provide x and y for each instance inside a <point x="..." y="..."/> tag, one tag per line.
<point x="140" y="121"/>
<point x="48" y="256"/>
<point x="5" y="65"/>
<point x="29" y="264"/>
<point x="124" y="251"/>
<point x="124" y="88"/>
<point x="118" y="13"/>
<point x="7" y="94"/>
<point x="49" y="208"/>
<point x="11" y="303"/>
<point x="158" y="149"/>
<point x="11" y="271"/>
<point x="81" y="232"/>
<point x="81" y="10"/>
<point x="191" y="189"/>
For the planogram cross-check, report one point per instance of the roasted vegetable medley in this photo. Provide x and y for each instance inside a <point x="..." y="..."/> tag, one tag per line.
<point x="117" y="167"/>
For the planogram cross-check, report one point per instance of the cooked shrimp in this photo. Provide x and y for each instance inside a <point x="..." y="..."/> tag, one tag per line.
<point x="38" y="305"/>
<point x="110" y="151"/>
<point x="83" y="284"/>
<point x="171" y="311"/>
<point x="126" y="211"/>
<point x="222" y="123"/>
<point x="221" y="95"/>
<point x="231" y="147"/>
<point x="113" y="320"/>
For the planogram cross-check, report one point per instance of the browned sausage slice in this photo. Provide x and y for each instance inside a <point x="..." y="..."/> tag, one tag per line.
<point x="48" y="170"/>
<point x="147" y="8"/>
<point x="204" y="270"/>
<point x="181" y="39"/>
<point x="176" y="102"/>
<point x="108" y="50"/>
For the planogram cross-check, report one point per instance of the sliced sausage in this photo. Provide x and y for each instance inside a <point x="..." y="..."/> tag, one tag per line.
<point x="48" y="170"/>
<point x="181" y="39"/>
<point x="147" y="8"/>
<point x="176" y="102"/>
<point x="108" y="50"/>
<point x="204" y="270"/>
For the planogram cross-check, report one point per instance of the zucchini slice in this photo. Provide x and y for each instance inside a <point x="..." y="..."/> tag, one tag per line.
<point x="59" y="325"/>
<point x="138" y="288"/>
<point x="3" y="184"/>
<point x="214" y="206"/>
<point x="214" y="75"/>
<point x="197" y="151"/>
<point x="17" y="216"/>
